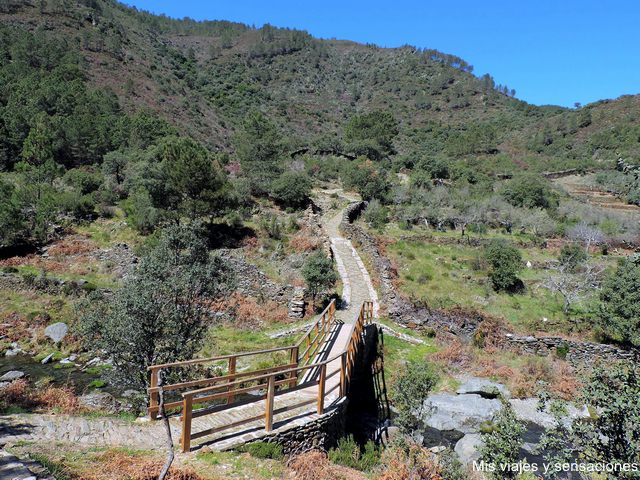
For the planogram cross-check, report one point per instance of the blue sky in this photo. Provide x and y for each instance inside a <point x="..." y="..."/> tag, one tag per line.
<point x="552" y="52"/>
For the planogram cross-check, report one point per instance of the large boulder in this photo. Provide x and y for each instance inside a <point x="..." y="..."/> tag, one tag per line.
<point x="12" y="375"/>
<point x="56" y="331"/>
<point x="468" y="448"/>
<point x="461" y="413"/>
<point x="483" y="387"/>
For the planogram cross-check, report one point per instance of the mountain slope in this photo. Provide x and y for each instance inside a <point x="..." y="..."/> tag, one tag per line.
<point x="204" y="77"/>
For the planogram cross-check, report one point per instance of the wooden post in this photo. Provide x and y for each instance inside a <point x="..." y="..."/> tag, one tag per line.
<point x="321" y="384"/>
<point x="308" y="350"/>
<point x="271" y="390"/>
<point x="294" y="360"/>
<point x="187" y="407"/>
<point x="153" y="397"/>
<point x="343" y="374"/>
<point x="232" y="371"/>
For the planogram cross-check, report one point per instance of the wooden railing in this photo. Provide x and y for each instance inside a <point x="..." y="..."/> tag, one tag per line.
<point x="231" y="388"/>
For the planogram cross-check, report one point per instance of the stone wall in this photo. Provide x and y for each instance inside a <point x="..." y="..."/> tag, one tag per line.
<point x="252" y="282"/>
<point x="464" y="323"/>
<point x="575" y="352"/>
<point x="322" y="433"/>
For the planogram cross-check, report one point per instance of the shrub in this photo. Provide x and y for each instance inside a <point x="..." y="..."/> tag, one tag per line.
<point x="263" y="450"/>
<point x="620" y="307"/>
<point x="572" y="256"/>
<point x="376" y="214"/>
<point x="505" y="261"/>
<point x="349" y="454"/>
<point x="410" y="388"/>
<point x="318" y="273"/>
<point x="502" y="445"/>
<point x="529" y="191"/>
<point x="292" y="189"/>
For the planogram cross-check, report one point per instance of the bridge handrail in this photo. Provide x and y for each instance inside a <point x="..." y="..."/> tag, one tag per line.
<point x="321" y="326"/>
<point x="267" y="379"/>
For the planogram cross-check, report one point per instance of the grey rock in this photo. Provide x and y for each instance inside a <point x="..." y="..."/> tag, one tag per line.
<point x="57" y="331"/>
<point x="47" y="359"/>
<point x="131" y="393"/>
<point x="462" y="413"/>
<point x="12" y="352"/>
<point x="12" y="375"/>
<point x="102" y="401"/>
<point x="468" y="447"/>
<point x="484" y="388"/>
<point x="526" y="410"/>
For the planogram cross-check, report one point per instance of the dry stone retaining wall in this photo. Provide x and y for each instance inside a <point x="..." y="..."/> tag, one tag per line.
<point x="322" y="433"/>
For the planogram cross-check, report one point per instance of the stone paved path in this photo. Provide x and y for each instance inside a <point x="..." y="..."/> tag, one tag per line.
<point x="115" y="432"/>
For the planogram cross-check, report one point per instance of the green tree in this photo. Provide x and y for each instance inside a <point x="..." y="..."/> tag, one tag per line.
<point x="38" y="147"/>
<point x="506" y="263"/>
<point x="160" y="314"/>
<point x="572" y="256"/>
<point x="372" y="134"/>
<point x="259" y="148"/>
<point x="12" y="223"/>
<point x="619" y="316"/>
<point x="363" y="177"/>
<point x="292" y="189"/>
<point x="529" y="190"/>
<point x="318" y="273"/>
<point x="194" y="183"/>
<point x="410" y="388"/>
<point x="501" y="446"/>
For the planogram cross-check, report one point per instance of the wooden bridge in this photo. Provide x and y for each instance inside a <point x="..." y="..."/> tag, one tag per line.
<point x="238" y="405"/>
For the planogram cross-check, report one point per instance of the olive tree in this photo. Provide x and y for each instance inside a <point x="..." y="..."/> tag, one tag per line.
<point x="160" y="313"/>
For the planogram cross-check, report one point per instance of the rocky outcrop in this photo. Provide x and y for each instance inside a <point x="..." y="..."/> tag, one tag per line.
<point x="56" y="331"/>
<point x="448" y="412"/>
<point x="483" y="387"/>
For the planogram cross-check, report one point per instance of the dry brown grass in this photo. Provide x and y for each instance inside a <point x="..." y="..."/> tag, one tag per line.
<point x="20" y="393"/>
<point x="72" y="245"/>
<point x="314" y="465"/>
<point x="116" y="465"/>
<point x="416" y="464"/>
<point x="305" y="241"/>
<point x="248" y="312"/>
<point x="455" y="354"/>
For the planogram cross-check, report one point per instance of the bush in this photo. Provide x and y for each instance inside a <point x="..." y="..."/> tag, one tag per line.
<point x="529" y="191"/>
<point x="263" y="450"/>
<point x="620" y="307"/>
<point x="318" y="273"/>
<point x="410" y="388"/>
<point x="292" y="189"/>
<point x="376" y="215"/>
<point x="572" y="256"/>
<point x="349" y="454"/>
<point x="505" y="261"/>
<point x="502" y="445"/>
